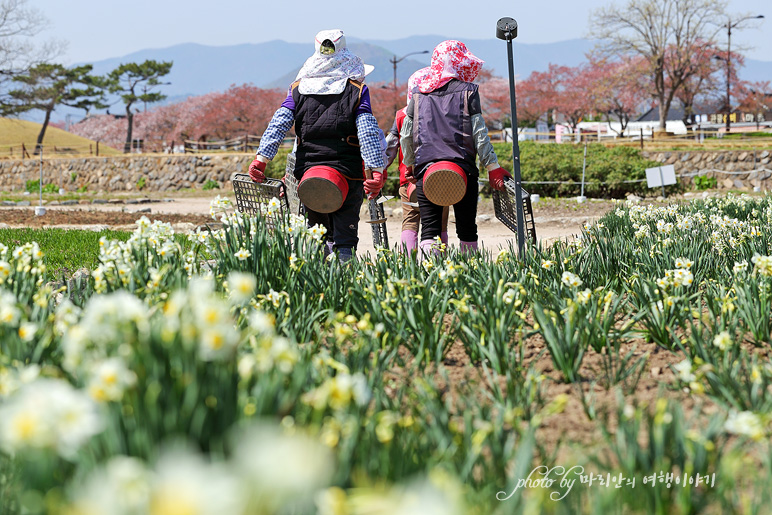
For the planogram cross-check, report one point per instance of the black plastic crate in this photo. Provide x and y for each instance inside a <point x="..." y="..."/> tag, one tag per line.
<point x="504" y="203"/>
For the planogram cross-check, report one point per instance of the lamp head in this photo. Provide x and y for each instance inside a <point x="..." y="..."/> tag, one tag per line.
<point x="506" y="29"/>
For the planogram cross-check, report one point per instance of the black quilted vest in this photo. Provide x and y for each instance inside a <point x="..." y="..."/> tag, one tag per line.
<point x="327" y="131"/>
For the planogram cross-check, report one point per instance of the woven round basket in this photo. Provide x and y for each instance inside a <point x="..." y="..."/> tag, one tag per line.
<point x="322" y="189"/>
<point x="444" y="183"/>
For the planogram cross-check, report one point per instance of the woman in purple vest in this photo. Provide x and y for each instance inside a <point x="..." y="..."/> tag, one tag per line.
<point x="444" y="123"/>
<point x="330" y="107"/>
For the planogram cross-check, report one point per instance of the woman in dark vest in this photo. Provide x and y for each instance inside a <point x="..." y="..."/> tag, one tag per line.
<point x="444" y="123"/>
<point x="330" y="107"/>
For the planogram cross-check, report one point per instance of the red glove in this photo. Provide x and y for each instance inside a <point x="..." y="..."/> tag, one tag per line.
<point x="374" y="186"/>
<point x="257" y="170"/>
<point x="496" y="178"/>
<point x="281" y="191"/>
<point x="409" y="175"/>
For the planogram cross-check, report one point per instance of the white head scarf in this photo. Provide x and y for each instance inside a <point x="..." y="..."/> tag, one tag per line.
<point x="327" y="74"/>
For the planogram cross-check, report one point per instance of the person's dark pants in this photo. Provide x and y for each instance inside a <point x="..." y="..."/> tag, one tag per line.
<point x="342" y="225"/>
<point x="465" y="210"/>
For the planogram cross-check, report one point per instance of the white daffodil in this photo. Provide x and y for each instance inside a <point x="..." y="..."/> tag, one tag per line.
<point x="109" y="379"/>
<point x="282" y="468"/>
<point x="242" y="286"/>
<point x="722" y="340"/>
<point x="684" y="371"/>
<point x="571" y="279"/>
<point x="48" y="414"/>
<point x="745" y="423"/>
<point x="185" y="483"/>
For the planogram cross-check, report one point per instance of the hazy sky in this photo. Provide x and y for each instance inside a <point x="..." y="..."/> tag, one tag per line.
<point x="99" y="29"/>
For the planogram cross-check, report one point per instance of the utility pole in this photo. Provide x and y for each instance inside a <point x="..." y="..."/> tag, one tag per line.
<point x="729" y="26"/>
<point x="394" y="62"/>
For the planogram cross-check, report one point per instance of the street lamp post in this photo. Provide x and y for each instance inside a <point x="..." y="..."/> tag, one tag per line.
<point x="506" y="29"/>
<point x="394" y="62"/>
<point x="729" y="26"/>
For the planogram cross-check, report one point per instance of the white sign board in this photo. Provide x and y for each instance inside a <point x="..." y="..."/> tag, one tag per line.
<point x="660" y="176"/>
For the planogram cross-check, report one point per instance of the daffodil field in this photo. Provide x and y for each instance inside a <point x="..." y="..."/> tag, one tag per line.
<point x="245" y="373"/>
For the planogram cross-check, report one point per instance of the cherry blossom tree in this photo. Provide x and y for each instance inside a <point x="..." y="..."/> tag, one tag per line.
<point x="707" y="82"/>
<point x="383" y="98"/>
<point x="163" y="126"/>
<point x="756" y="99"/>
<point x="666" y="33"/>
<point x="240" y="110"/>
<point x="617" y="88"/>
<point x="103" y="128"/>
<point x="536" y="97"/>
<point x="494" y="96"/>
<point x="562" y="89"/>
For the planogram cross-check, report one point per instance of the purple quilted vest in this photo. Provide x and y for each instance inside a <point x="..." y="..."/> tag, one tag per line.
<point x="442" y="126"/>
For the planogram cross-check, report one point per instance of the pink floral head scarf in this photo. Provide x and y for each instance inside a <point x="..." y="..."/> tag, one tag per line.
<point x="450" y="60"/>
<point x="415" y="80"/>
<point x="327" y="71"/>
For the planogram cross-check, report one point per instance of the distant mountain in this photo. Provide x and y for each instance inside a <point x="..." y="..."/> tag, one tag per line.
<point x="200" y="69"/>
<point x="375" y="55"/>
<point x="527" y="57"/>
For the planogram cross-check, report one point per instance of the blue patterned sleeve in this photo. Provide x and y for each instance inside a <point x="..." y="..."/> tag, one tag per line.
<point x="281" y="122"/>
<point x="370" y="141"/>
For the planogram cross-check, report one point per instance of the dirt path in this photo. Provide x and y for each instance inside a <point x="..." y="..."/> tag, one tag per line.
<point x="554" y="218"/>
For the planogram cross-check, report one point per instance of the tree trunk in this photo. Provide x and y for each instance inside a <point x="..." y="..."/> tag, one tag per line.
<point x="623" y="121"/>
<point x="662" y="108"/>
<point x="42" y="133"/>
<point x="659" y="87"/>
<point x="130" y="120"/>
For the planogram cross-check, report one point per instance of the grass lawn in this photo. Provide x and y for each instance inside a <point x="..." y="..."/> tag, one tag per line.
<point x="68" y="250"/>
<point x="14" y="132"/>
<point x="65" y="250"/>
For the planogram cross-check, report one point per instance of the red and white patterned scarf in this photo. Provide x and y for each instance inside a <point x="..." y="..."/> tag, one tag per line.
<point x="415" y="80"/>
<point x="450" y="60"/>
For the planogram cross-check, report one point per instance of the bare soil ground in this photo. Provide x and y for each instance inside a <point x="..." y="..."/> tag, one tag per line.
<point x="554" y="218"/>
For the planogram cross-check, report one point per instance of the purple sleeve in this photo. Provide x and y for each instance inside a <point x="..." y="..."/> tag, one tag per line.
<point x="289" y="102"/>
<point x="364" y="105"/>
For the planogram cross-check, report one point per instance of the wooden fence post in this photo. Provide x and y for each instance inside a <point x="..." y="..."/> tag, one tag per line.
<point x="97" y="148"/>
<point x="246" y="141"/>
<point x="641" y="138"/>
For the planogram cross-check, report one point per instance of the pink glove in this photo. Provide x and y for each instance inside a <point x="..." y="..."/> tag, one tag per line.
<point x="257" y="170"/>
<point x="496" y="178"/>
<point x="374" y="186"/>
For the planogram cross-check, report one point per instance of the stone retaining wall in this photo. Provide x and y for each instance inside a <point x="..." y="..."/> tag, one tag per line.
<point x="124" y="173"/>
<point x="713" y="163"/>
<point x="171" y="173"/>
